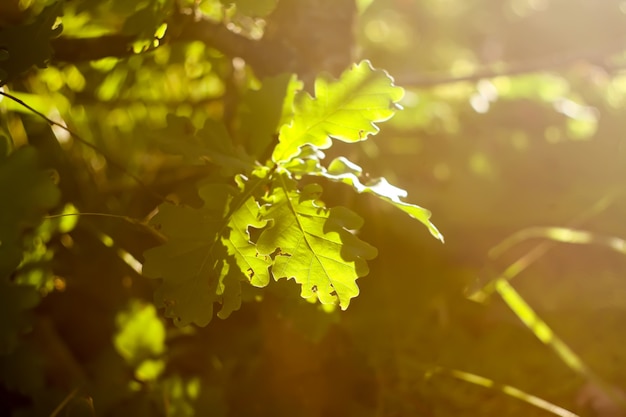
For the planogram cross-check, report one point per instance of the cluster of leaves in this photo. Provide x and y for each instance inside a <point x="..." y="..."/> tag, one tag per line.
<point x="209" y="250"/>
<point x="269" y="225"/>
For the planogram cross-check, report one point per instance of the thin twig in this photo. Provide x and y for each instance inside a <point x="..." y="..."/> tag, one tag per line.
<point x="598" y="54"/>
<point x="63" y="403"/>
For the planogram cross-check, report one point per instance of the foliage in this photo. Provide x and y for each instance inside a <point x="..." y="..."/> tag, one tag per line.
<point x="299" y="237"/>
<point x="29" y="44"/>
<point x="28" y="193"/>
<point x="163" y="162"/>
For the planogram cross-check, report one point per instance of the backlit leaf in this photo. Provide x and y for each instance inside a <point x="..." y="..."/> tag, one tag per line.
<point x="342" y="170"/>
<point x="313" y="244"/>
<point x="254" y="265"/>
<point x="346" y="109"/>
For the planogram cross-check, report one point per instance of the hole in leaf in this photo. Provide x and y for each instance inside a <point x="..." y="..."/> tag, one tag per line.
<point x="254" y="233"/>
<point x="265" y="257"/>
<point x="278" y="252"/>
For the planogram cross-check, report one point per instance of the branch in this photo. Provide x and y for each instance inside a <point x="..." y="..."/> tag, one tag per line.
<point x="599" y="55"/>
<point x="267" y="58"/>
<point x="92" y="49"/>
<point x="270" y="57"/>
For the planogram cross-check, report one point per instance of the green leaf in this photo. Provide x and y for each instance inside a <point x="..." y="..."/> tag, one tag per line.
<point x="140" y="335"/>
<point x="342" y="170"/>
<point x="254" y="265"/>
<point x="208" y="252"/>
<point x="193" y="262"/>
<point x="261" y="112"/>
<point x="229" y="289"/>
<point x="178" y="138"/>
<point x="26" y="194"/>
<point x="219" y="149"/>
<point x="306" y="163"/>
<point x="210" y="144"/>
<point x="29" y="44"/>
<point x="313" y="244"/>
<point x="346" y="110"/>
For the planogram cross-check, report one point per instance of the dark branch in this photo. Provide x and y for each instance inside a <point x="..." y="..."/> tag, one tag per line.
<point x="265" y="57"/>
<point x="91" y="49"/>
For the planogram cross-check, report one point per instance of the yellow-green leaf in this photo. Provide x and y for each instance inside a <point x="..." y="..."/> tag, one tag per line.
<point x="313" y="244"/>
<point x="346" y="109"/>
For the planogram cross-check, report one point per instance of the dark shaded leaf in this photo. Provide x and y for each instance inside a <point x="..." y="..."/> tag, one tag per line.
<point x="28" y="45"/>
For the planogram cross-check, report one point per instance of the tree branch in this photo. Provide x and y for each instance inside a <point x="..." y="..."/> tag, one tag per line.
<point x="91" y="49"/>
<point x="267" y="58"/>
<point x="597" y="55"/>
<point x="270" y="57"/>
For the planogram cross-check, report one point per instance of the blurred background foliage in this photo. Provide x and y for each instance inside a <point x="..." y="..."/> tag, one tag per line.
<point x="513" y="119"/>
